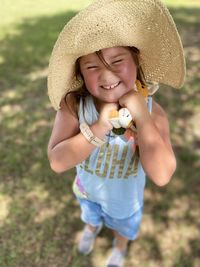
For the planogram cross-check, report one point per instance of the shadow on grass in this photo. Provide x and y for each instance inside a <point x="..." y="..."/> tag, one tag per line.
<point x="40" y="215"/>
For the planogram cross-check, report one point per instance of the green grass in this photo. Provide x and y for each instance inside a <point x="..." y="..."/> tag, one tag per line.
<point x="182" y="3"/>
<point x="39" y="218"/>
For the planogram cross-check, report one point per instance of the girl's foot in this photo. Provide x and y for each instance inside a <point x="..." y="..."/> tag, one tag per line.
<point x="87" y="241"/>
<point x="116" y="259"/>
<point x="117" y="256"/>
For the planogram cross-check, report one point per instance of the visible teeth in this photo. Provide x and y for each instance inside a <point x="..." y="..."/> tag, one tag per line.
<point x="110" y="86"/>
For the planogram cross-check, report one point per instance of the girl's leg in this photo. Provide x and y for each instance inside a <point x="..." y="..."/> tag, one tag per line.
<point x="128" y="227"/>
<point x="87" y="240"/>
<point x="91" y="215"/>
<point x="120" y="241"/>
<point x="91" y="228"/>
<point x="118" y="253"/>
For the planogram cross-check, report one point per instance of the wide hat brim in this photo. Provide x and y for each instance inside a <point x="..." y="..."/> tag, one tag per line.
<point x="145" y="24"/>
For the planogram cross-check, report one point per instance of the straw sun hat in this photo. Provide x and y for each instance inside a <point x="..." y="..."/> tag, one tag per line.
<point x="145" y="24"/>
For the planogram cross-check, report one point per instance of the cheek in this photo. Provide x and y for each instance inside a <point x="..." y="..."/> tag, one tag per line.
<point x="89" y="80"/>
<point x="132" y="69"/>
<point x="129" y="73"/>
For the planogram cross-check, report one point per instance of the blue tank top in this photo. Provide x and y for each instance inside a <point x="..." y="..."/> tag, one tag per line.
<point x="107" y="176"/>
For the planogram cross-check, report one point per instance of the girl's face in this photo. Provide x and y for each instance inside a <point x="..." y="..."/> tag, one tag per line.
<point x="108" y="85"/>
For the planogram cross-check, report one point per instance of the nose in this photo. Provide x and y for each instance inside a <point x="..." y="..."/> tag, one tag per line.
<point x="107" y="76"/>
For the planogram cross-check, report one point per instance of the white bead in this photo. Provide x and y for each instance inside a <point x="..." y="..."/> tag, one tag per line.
<point x="124" y="117"/>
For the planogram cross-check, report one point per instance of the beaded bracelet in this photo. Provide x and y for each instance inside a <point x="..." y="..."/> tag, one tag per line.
<point x="88" y="134"/>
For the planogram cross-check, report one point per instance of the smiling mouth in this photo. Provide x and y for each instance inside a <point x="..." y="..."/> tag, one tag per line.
<point x="109" y="87"/>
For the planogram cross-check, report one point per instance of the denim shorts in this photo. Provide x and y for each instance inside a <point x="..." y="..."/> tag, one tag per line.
<point x="92" y="213"/>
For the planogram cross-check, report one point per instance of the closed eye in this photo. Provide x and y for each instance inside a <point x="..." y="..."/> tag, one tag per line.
<point x="117" y="61"/>
<point x="92" y="67"/>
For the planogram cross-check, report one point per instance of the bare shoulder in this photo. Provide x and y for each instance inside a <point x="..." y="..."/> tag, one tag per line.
<point x="160" y="119"/>
<point x="69" y="104"/>
<point x="157" y="110"/>
<point x="67" y="115"/>
<point x="158" y="113"/>
<point x="66" y="122"/>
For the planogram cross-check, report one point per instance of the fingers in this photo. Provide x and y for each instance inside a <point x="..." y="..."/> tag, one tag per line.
<point x="110" y="106"/>
<point x="105" y="111"/>
<point x="135" y="103"/>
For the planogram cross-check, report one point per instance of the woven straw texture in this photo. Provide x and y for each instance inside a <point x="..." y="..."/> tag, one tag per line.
<point x="145" y="24"/>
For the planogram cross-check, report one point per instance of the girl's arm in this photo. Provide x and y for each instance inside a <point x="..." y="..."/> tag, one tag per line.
<point x="156" y="154"/>
<point x="67" y="146"/>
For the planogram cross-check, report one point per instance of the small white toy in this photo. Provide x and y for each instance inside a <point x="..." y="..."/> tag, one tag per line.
<point x="121" y="118"/>
<point x="125" y="118"/>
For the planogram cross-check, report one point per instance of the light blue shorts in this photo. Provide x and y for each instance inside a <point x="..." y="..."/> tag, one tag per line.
<point x="92" y="213"/>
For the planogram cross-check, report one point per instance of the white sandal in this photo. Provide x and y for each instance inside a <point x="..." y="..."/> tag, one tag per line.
<point x="86" y="244"/>
<point x="117" y="258"/>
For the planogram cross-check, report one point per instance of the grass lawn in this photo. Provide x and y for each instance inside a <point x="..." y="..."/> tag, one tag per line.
<point x="39" y="217"/>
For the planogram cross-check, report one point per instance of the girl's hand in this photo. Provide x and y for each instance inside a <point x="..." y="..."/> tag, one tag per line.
<point x="104" y="115"/>
<point x="136" y="104"/>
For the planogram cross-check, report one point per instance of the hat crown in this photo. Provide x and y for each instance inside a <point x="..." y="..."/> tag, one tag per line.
<point x="145" y="24"/>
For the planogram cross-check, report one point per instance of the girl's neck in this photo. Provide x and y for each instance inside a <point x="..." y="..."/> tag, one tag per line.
<point x="97" y="103"/>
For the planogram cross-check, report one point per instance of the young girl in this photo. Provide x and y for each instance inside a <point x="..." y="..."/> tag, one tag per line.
<point x="101" y="63"/>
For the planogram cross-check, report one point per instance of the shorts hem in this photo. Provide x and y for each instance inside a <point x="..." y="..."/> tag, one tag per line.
<point x="128" y="237"/>
<point x="87" y="222"/>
